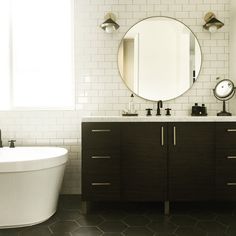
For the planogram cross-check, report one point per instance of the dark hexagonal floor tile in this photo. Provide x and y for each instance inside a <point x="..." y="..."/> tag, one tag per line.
<point x="114" y="226"/>
<point x="217" y="234"/>
<point x="231" y="231"/>
<point x="137" y="231"/>
<point x="113" y="215"/>
<point x="61" y="234"/>
<point x="211" y="226"/>
<point x="162" y="227"/>
<point x="183" y="220"/>
<point x="165" y="234"/>
<point x="53" y="219"/>
<point x="112" y="234"/>
<point x="136" y="220"/>
<point x="157" y="217"/>
<point x="9" y="232"/>
<point x="90" y="220"/>
<point x="36" y="231"/>
<point x="205" y="216"/>
<point x="190" y="231"/>
<point x="69" y="202"/>
<point x="136" y="208"/>
<point x="87" y="231"/>
<point x="63" y="226"/>
<point x="68" y="214"/>
<point x="228" y="220"/>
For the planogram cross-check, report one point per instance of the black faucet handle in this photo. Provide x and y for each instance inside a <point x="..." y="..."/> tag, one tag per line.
<point x="149" y="111"/>
<point x="168" y="111"/>
<point x="12" y="143"/>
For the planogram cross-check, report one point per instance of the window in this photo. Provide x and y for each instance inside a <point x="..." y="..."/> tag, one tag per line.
<point x="36" y="60"/>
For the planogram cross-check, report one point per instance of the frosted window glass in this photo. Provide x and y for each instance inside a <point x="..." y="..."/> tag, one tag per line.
<point x="42" y="60"/>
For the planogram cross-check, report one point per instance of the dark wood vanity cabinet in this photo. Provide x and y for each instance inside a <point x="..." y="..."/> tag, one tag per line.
<point x="143" y="161"/>
<point x="191" y="161"/>
<point x="226" y="161"/>
<point x="158" y="161"/>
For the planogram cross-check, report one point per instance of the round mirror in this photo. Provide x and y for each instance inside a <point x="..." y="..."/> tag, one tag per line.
<point x="223" y="91"/>
<point x="159" y="58"/>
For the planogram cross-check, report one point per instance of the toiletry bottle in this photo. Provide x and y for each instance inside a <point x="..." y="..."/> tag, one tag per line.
<point x="131" y="104"/>
<point x="195" y="110"/>
<point x="204" y="110"/>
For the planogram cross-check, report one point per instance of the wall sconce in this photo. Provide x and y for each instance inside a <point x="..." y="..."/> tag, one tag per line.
<point x="212" y="24"/>
<point x="109" y="25"/>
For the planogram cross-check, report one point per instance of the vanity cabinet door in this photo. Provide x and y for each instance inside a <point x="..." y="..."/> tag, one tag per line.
<point x="143" y="161"/>
<point x="191" y="161"/>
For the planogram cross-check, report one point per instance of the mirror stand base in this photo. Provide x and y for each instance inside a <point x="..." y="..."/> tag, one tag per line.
<point x="224" y="113"/>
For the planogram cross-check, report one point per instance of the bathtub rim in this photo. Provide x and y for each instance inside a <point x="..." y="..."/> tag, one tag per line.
<point x="34" y="164"/>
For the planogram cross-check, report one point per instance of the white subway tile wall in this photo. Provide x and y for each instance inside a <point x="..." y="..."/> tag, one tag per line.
<point x="99" y="88"/>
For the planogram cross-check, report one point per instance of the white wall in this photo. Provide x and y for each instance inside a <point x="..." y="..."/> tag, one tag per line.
<point x="100" y="90"/>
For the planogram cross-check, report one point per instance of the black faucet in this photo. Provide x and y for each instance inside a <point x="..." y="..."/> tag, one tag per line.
<point x="159" y="105"/>
<point x="1" y="139"/>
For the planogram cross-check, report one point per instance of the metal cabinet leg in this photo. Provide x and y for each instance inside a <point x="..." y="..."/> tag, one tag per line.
<point x="166" y="207"/>
<point x="85" y="207"/>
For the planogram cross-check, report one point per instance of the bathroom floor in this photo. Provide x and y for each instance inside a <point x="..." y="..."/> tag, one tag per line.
<point x="135" y="219"/>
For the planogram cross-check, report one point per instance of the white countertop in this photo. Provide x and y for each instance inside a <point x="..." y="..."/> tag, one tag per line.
<point x="159" y="119"/>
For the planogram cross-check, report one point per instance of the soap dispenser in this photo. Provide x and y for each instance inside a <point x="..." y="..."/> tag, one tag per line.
<point x="131" y="105"/>
<point x="131" y="109"/>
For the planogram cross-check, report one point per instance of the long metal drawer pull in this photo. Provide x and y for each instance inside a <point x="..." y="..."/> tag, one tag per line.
<point x="231" y="130"/>
<point x="101" y="184"/>
<point x="174" y="138"/>
<point x="231" y="157"/>
<point x="231" y="184"/>
<point x="162" y="136"/>
<point x="100" y="130"/>
<point x="100" y="157"/>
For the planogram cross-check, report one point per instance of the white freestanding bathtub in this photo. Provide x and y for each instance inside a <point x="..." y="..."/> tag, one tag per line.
<point x="30" y="181"/>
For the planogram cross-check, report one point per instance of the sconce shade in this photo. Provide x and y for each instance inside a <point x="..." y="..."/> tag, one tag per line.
<point x="109" y="25"/>
<point x="212" y="24"/>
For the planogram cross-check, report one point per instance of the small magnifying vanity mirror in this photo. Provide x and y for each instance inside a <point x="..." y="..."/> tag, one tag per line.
<point x="159" y="58"/>
<point x="223" y="91"/>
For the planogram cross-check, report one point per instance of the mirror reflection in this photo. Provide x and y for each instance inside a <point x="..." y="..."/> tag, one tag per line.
<point x="224" y="89"/>
<point x="159" y="58"/>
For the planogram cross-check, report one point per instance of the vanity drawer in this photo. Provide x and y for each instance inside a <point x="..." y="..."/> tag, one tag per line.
<point x="226" y="135"/>
<point x="101" y="161"/>
<point x="101" y="188"/>
<point x="226" y="158"/>
<point x="225" y="189"/>
<point x="100" y="135"/>
<point x="225" y="164"/>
